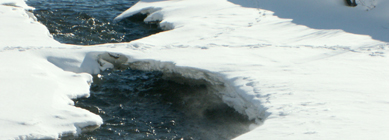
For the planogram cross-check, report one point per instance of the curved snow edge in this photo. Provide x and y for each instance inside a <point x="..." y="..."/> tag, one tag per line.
<point x="154" y="15"/>
<point x="16" y="3"/>
<point x="216" y="83"/>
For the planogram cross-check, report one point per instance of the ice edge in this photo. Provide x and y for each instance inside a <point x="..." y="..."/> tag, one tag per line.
<point x="216" y="82"/>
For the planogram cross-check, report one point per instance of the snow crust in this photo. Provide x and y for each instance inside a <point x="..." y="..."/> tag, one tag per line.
<point x="35" y="98"/>
<point x="16" y="3"/>
<point x="19" y="27"/>
<point x="223" y="23"/>
<point x="295" y="81"/>
<point x="367" y="18"/>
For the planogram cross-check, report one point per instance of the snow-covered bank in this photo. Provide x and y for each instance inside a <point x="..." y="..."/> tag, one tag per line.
<point x="223" y="23"/>
<point x="314" y="84"/>
<point x="369" y="17"/>
<point x="19" y="27"/>
<point x="35" y="95"/>
<point x="35" y="98"/>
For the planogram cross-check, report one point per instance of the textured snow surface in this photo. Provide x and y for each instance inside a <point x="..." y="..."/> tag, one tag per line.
<point x="369" y="17"/>
<point x="223" y="23"/>
<point x="19" y="27"/>
<point x="327" y="83"/>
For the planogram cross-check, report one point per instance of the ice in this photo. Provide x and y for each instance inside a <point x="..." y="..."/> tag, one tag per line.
<point x="296" y="81"/>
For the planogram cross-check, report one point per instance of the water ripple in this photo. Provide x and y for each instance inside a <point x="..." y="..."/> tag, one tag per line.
<point x="89" y="22"/>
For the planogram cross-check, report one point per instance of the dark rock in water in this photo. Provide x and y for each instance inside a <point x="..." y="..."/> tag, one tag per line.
<point x="351" y="3"/>
<point x="138" y="105"/>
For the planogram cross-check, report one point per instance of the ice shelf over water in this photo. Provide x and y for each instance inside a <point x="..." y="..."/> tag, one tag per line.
<point x="295" y="81"/>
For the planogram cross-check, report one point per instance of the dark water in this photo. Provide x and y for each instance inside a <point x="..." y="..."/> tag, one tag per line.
<point x="88" y="22"/>
<point x="136" y="105"/>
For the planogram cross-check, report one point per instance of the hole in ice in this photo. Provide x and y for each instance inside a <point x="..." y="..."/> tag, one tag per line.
<point x="142" y="105"/>
<point x="89" y="22"/>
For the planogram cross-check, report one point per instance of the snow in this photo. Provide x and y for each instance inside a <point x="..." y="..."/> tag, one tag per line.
<point x="19" y="26"/>
<point x="367" y="18"/>
<point x="226" y="24"/>
<point x="312" y="77"/>
<point x="16" y="3"/>
<point x="35" y="98"/>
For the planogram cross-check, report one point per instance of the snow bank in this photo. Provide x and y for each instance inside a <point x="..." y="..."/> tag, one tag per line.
<point x="19" y="28"/>
<point x="369" y="17"/>
<point x="35" y="95"/>
<point x="222" y="23"/>
<point x="35" y="98"/>
<point x="309" y="83"/>
<point x="215" y="82"/>
<point x="16" y="3"/>
<point x="312" y="81"/>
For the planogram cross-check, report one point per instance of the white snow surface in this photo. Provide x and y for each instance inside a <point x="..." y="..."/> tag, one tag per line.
<point x="309" y="78"/>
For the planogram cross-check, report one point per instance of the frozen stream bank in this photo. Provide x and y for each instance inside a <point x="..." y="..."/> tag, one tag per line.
<point x="314" y="84"/>
<point x="142" y="105"/>
<point x="136" y="104"/>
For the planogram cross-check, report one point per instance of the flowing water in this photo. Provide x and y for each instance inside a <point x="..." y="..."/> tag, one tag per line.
<point x="88" y="22"/>
<point x="136" y="105"/>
